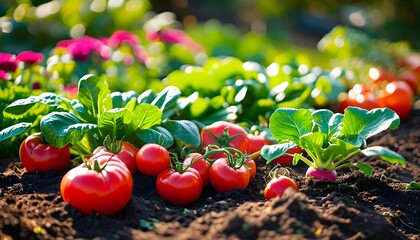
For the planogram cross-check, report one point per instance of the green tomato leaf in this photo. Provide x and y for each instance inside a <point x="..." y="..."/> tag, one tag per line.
<point x="145" y="116"/>
<point x="62" y="128"/>
<point x="184" y="131"/>
<point x="290" y="124"/>
<point x="94" y="95"/>
<point x="365" y="168"/>
<point x="358" y="121"/>
<point x="271" y="152"/>
<point x="157" y="135"/>
<point x="385" y="154"/>
<point x="114" y="122"/>
<point x="14" y="130"/>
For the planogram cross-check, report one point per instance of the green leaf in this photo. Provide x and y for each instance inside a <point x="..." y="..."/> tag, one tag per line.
<point x="385" y="154"/>
<point x="413" y="185"/>
<point x="271" y="152"/>
<point x="120" y="100"/>
<point x="114" y="122"/>
<point x="184" y="131"/>
<point x="157" y="135"/>
<point x="365" y="168"/>
<point x="358" y="121"/>
<point x="290" y="124"/>
<point x="146" y="116"/>
<point x="14" y="130"/>
<point x="62" y="128"/>
<point x="94" y="95"/>
<point x="166" y="100"/>
<point x="146" y="225"/>
<point x="33" y="106"/>
<point x="327" y="122"/>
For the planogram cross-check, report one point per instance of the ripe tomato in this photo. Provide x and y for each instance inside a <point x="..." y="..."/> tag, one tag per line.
<point x="397" y="96"/>
<point x="152" y="158"/>
<point x="412" y="78"/>
<point x="106" y="192"/>
<point x="252" y="167"/>
<point x="36" y="155"/>
<point x="257" y="142"/>
<point x="278" y="185"/>
<point x="358" y="96"/>
<point x="223" y="177"/>
<point x="377" y="75"/>
<point x="201" y="165"/>
<point x="179" y="188"/>
<point x="234" y="136"/>
<point x="285" y="160"/>
<point x="127" y="155"/>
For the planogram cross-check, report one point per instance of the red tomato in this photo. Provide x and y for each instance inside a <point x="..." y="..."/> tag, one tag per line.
<point x="378" y="75"/>
<point x="224" y="178"/>
<point x="152" y="159"/>
<point x="179" y="188"/>
<point x="278" y="185"/>
<point x="412" y="78"/>
<point x="397" y="96"/>
<point x="105" y="192"/>
<point x="37" y="155"/>
<point x="127" y="155"/>
<point x="252" y="167"/>
<point x="362" y="99"/>
<point x="257" y="142"/>
<point x="285" y="160"/>
<point x="201" y="165"/>
<point x="235" y="137"/>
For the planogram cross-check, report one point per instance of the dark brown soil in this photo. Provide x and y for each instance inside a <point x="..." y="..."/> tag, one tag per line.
<point x="354" y="207"/>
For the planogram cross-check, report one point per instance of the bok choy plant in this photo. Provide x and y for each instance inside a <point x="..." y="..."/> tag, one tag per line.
<point x="331" y="139"/>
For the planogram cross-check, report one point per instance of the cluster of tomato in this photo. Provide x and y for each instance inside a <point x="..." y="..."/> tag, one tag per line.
<point x="103" y="183"/>
<point x="385" y="89"/>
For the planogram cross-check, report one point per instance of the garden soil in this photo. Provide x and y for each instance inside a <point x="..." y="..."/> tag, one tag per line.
<point x="354" y="207"/>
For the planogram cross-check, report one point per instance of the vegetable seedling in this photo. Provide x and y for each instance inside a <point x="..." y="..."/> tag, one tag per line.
<point x="331" y="139"/>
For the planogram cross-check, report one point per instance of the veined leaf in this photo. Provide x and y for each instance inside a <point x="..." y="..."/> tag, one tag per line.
<point x="94" y="95"/>
<point x="385" y="154"/>
<point x="14" y="130"/>
<point x="33" y="106"/>
<point x="114" y="122"/>
<point x="271" y="152"/>
<point x="62" y="128"/>
<point x="120" y="100"/>
<point x="358" y="121"/>
<point x="290" y="124"/>
<point x="166" y="100"/>
<point x="184" y="131"/>
<point x="327" y="121"/>
<point x="146" y="116"/>
<point x="157" y="135"/>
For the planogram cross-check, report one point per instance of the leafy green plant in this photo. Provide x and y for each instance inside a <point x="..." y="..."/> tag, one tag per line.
<point x="331" y="139"/>
<point x="84" y="122"/>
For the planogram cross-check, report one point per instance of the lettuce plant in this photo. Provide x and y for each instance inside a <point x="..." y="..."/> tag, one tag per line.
<point x="331" y="139"/>
<point x="96" y="112"/>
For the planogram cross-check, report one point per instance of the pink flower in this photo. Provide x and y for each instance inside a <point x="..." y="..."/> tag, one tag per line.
<point x="3" y="75"/>
<point x="82" y="48"/>
<point x="29" y="57"/>
<point x="8" y="62"/>
<point x="122" y="36"/>
<point x="176" y="36"/>
<point x="71" y="90"/>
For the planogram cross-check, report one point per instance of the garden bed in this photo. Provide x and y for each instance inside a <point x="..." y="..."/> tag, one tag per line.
<point x="354" y="207"/>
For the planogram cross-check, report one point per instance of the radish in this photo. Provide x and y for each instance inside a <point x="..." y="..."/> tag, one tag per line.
<point x="321" y="174"/>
